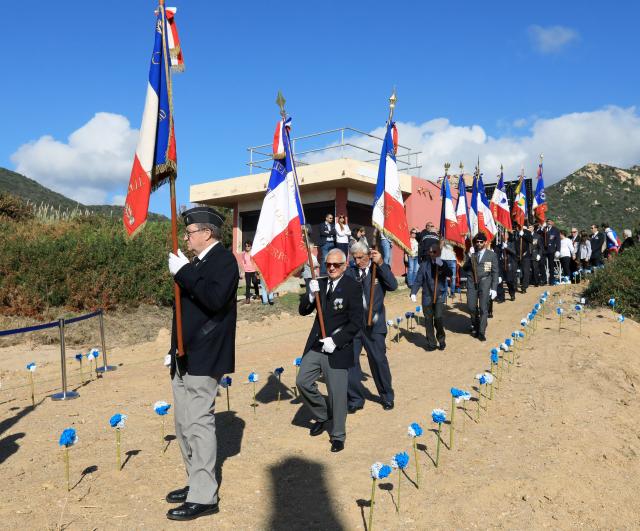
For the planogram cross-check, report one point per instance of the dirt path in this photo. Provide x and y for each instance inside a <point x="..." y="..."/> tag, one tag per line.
<point x="557" y="447"/>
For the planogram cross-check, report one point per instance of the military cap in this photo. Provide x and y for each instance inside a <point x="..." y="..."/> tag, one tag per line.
<point x="203" y="214"/>
<point x="480" y="237"/>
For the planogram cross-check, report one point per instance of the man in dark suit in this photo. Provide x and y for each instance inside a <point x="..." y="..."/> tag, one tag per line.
<point x="537" y="253"/>
<point x="551" y="236"/>
<point x="482" y="282"/>
<point x="522" y="240"/>
<point x="432" y="279"/>
<point x="506" y="252"/>
<point x="371" y="337"/>
<point x="332" y="356"/>
<point x="597" y="243"/>
<point x="327" y="240"/>
<point x="208" y="287"/>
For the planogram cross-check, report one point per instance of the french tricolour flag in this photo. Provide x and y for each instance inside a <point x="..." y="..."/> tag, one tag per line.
<point x="155" y="159"/>
<point x="519" y="210"/>
<point x="481" y="219"/>
<point x="278" y="247"/>
<point x="449" y="230"/>
<point x="500" y="205"/>
<point x="462" y="208"/>
<point x="388" y="208"/>
<point x="539" y="199"/>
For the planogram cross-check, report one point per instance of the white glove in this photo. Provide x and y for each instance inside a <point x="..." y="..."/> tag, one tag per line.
<point x="521" y="233"/>
<point x="557" y="254"/>
<point x="413" y="297"/>
<point x="167" y="360"/>
<point x="537" y="258"/>
<point x="499" y="280"/>
<point x="314" y="287"/>
<point x="328" y="345"/>
<point x="472" y="250"/>
<point x="177" y="262"/>
<point x="504" y="245"/>
<point x="493" y="293"/>
<point x="439" y="261"/>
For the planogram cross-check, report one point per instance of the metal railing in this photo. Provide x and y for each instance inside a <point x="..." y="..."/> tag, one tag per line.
<point x="261" y="156"/>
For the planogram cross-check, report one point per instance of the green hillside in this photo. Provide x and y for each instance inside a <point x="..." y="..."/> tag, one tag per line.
<point x="29" y="190"/>
<point x="597" y="193"/>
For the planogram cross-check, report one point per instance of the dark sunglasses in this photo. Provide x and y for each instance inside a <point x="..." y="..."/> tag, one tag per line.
<point x="334" y="264"/>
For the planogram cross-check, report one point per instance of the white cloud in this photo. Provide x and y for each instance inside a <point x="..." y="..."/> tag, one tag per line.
<point x="610" y="135"/>
<point x="94" y="162"/>
<point x="118" y="200"/>
<point x="551" y="39"/>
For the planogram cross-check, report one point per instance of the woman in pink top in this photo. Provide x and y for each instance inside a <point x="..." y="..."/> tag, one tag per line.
<point x="249" y="273"/>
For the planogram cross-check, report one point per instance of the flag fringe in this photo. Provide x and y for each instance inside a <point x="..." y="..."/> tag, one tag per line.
<point x="393" y="238"/>
<point x="128" y="237"/>
<point x="161" y="173"/>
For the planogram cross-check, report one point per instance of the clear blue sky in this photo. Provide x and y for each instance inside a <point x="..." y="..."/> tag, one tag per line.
<point x="471" y="62"/>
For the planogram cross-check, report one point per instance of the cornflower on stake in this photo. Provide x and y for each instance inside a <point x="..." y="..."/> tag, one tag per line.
<point x="456" y="396"/>
<point x="578" y="308"/>
<point x="79" y="360"/>
<point x="418" y="310"/>
<point x="225" y="382"/>
<point x="92" y="356"/>
<point x="67" y="439"/>
<point x="253" y="378"/>
<point x="408" y="316"/>
<point x="378" y="471"/>
<point x="398" y="321"/>
<point x="559" y="311"/>
<point x="488" y="378"/>
<point x="415" y="431"/>
<point x="31" y="367"/>
<point x="495" y="360"/>
<point x="162" y="409"/>
<point x="399" y="461"/>
<point x="296" y="364"/>
<point x="620" y="321"/>
<point x="438" y="416"/>
<point x="117" y="422"/>
<point x="278" y="372"/>
<point x="481" y="381"/>
<point x="612" y="303"/>
<point x="510" y="344"/>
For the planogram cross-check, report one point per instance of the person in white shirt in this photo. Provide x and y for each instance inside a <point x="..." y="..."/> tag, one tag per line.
<point x="566" y="254"/>
<point x="412" y="259"/>
<point x="343" y="232"/>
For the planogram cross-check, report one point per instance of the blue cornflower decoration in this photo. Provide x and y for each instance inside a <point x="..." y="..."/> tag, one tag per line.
<point x="494" y="355"/>
<point x="68" y="438"/>
<point x="161" y="407"/>
<point x="621" y="318"/>
<point x="415" y="430"/>
<point x="389" y="322"/>
<point x="559" y="311"/>
<point x="31" y="366"/>
<point x="253" y="377"/>
<point x="297" y="362"/>
<point x="508" y="342"/>
<point x="418" y="309"/>
<point x="278" y="371"/>
<point x="408" y="314"/>
<point x="400" y="460"/>
<point x="521" y="334"/>
<point x="398" y="320"/>
<point x="226" y="381"/>
<point x="438" y="416"/>
<point x="117" y="421"/>
<point x="504" y="346"/>
<point x="514" y="334"/>
<point x="380" y="471"/>
<point x="612" y="302"/>
<point x="524" y="322"/>
<point x="457" y="393"/>
<point x="578" y="308"/>
<point x="79" y="357"/>
<point x="481" y="378"/>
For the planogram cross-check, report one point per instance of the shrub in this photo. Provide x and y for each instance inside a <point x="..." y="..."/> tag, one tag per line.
<point x="14" y="208"/>
<point x="620" y="279"/>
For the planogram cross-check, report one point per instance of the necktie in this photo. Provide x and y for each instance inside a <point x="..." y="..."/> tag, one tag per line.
<point x="195" y="261"/>
<point x="329" y="293"/>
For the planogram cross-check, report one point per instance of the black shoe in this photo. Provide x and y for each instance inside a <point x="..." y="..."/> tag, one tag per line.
<point x="442" y="346"/>
<point x="474" y="332"/>
<point x="353" y="409"/>
<point x="337" y="446"/>
<point x="481" y="337"/>
<point x="430" y="349"/>
<point x="316" y="429"/>
<point x="513" y="297"/>
<point x="490" y="315"/>
<point x="191" y="511"/>
<point x="178" y="496"/>
<point x="387" y="406"/>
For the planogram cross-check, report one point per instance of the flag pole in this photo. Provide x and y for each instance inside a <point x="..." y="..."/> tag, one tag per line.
<point x="172" y="188"/>
<point x="374" y="267"/>
<point x="280" y="101"/>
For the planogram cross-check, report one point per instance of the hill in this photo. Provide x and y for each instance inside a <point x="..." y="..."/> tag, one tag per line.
<point x="597" y="193"/>
<point x="29" y="190"/>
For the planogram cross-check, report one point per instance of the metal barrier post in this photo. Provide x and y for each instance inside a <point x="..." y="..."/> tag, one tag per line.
<point x="105" y="366"/>
<point x="64" y="395"/>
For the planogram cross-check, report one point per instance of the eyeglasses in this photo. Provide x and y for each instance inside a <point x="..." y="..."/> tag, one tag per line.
<point x="187" y="234"/>
<point x="574" y="232"/>
<point x="334" y="264"/>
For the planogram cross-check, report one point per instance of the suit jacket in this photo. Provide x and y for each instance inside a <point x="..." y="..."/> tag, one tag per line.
<point x="551" y="238"/>
<point x="597" y="241"/>
<point x="208" y="296"/>
<point x="327" y="230"/>
<point x="487" y="270"/>
<point x="426" y="280"/>
<point x="343" y="316"/>
<point x="507" y="260"/>
<point x="385" y="281"/>
<point x="522" y="244"/>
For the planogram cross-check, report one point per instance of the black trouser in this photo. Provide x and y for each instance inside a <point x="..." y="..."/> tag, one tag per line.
<point x="251" y="278"/>
<point x="535" y="272"/>
<point x="596" y="261"/>
<point x="525" y="270"/>
<point x="375" y="347"/>
<point x="433" y="323"/>
<point x="565" y="262"/>
<point x="511" y="287"/>
<point x="550" y="267"/>
<point x="478" y="299"/>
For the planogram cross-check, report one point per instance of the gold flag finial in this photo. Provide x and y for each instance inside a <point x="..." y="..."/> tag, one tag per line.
<point x="461" y="167"/>
<point x="501" y="168"/>
<point x="280" y="101"/>
<point x="447" y="165"/>
<point x="393" y="99"/>
<point x="541" y="157"/>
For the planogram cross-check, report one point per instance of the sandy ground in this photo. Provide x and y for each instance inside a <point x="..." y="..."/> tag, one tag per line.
<point x="557" y="447"/>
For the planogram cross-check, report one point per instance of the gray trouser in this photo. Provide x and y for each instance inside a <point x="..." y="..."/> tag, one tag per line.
<point x="374" y="345"/>
<point x="194" y="399"/>
<point x="335" y="405"/>
<point x="433" y="317"/>
<point x="478" y="305"/>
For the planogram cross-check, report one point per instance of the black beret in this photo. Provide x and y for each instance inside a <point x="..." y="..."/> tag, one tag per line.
<point x="480" y="237"/>
<point x="202" y="214"/>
